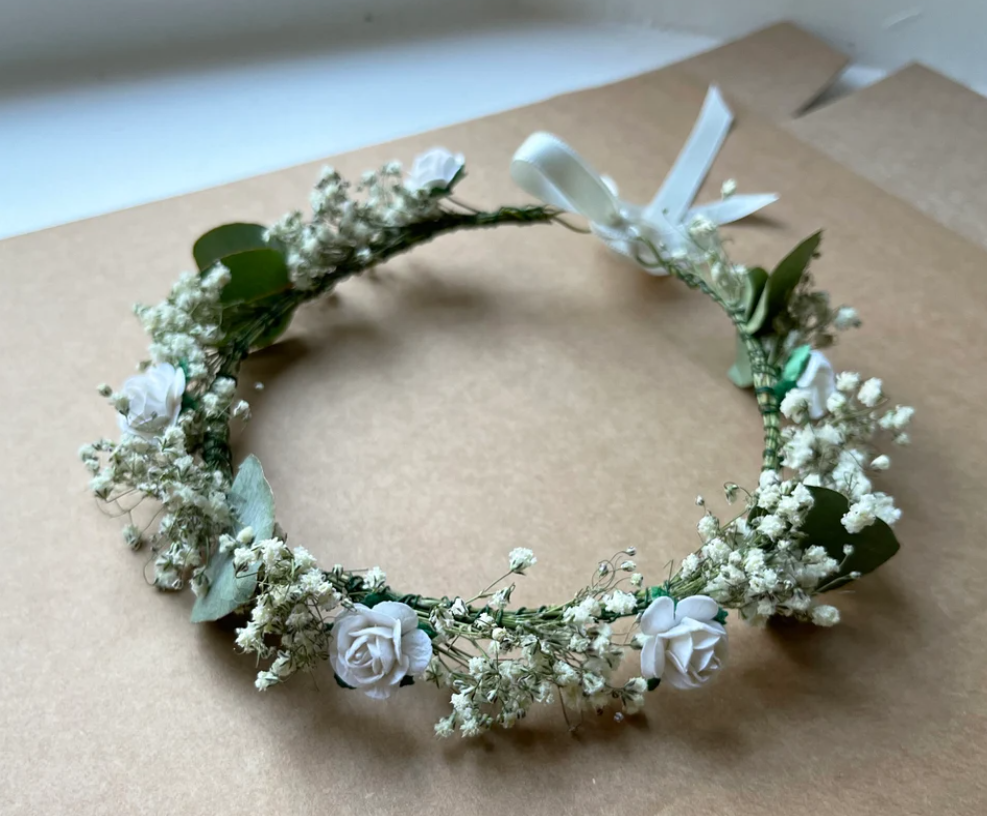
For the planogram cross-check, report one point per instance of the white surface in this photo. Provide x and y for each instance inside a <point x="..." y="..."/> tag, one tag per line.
<point x="77" y="151"/>
<point x="947" y="35"/>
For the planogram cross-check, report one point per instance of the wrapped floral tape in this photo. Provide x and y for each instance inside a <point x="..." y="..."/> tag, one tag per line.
<point x="810" y="522"/>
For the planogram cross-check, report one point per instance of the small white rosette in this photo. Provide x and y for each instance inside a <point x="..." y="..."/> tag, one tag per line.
<point x="154" y="400"/>
<point x="373" y="650"/>
<point x="435" y="169"/>
<point x="683" y="644"/>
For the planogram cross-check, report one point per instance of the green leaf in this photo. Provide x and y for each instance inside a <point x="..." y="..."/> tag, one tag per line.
<point x="781" y="283"/>
<point x="226" y="240"/>
<point x="255" y="274"/>
<point x="252" y="502"/>
<point x="653" y="683"/>
<point x="242" y="317"/>
<point x="740" y="372"/>
<point x="872" y="546"/>
<point x="426" y="627"/>
<point x="792" y="370"/>
<point x="757" y="277"/>
<point x="721" y="616"/>
<point x="407" y="680"/>
<point x="340" y="682"/>
<point x="373" y="599"/>
<point x="257" y="266"/>
<point x="657" y="592"/>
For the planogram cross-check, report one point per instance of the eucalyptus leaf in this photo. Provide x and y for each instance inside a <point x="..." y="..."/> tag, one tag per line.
<point x="252" y="502"/>
<point x="754" y="283"/>
<point x="255" y="274"/>
<point x="257" y="266"/>
<point x="740" y="372"/>
<point x="781" y="283"/>
<point x="823" y="526"/>
<point x="239" y="318"/>
<point x="226" y="240"/>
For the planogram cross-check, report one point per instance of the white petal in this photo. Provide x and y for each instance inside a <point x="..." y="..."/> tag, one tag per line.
<point x="418" y="648"/>
<point x="681" y="680"/>
<point x="820" y="380"/>
<point x="400" y="612"/>
<point x="697" y="607"/>
<point x="680" y="651"/>
<point x="659" y="616"/>
<point x="653" y="658"/>
<point x="705" y="635"/>
<point x="700" y="660"/>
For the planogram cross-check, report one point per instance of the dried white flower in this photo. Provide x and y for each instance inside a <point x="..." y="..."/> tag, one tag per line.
<point x="620" y="602"/>
<point x="847" y="381"/>
<point x="521" y="558"/>
<point x="825" y="615"/>
<point x="870" y="392"/>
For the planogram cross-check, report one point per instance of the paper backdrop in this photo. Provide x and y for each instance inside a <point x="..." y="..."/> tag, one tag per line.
<point x="515" y="388"/>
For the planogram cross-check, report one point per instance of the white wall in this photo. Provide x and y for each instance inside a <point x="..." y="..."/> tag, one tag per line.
<point x="41" y="35"/>
<point x="949" y="35"/>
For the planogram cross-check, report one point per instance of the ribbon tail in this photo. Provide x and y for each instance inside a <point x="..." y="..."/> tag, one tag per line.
<point x="680" y="187"/>
<point x="733" y="208"/>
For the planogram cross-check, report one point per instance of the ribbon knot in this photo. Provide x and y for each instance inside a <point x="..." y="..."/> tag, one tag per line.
<point x="550" y="170"/>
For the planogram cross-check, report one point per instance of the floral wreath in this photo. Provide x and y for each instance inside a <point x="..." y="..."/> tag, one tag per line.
<point x="812" y="523"/>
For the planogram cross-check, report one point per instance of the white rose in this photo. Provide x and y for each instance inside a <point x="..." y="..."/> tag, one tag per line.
<point x="683" y="644"/>
<point x="154" y="400"/>
<point x="819" y="381"/>
<point x="374" y="649"/>
<point x="435" y="169"/>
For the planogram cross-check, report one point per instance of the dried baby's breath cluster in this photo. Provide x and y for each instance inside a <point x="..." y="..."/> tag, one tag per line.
<point x="813" y="522"/>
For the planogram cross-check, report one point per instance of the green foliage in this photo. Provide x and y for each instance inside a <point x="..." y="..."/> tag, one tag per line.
<point x="721" y="616"/>
<point x="225" y="240"/>
<point x="794" y="366"/>
<point x="340" y="682"/>
<point x="255" y="275"/>
<point x="740" y="373"/>
<point x="252" y="503"/>
<point x="780" y="284"/>
<point x="872" y="546"/>
<point x="653" y="683"/>
<point x="757" y="277"/>
<point x="258" y="275"/>
<point x="426" y="627"/>
<point x="656" y="592"/>
<point x="372" y="599"/>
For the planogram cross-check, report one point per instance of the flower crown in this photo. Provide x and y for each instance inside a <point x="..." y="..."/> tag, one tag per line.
<point x="812" y="522"/>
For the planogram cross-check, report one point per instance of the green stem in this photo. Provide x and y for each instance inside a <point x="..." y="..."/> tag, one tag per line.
<point x="765" y="374"/>
<point x="216" y="447"/>
<point x="394" y="241"/>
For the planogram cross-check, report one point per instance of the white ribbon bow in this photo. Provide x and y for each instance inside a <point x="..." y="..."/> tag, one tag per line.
<point x="547" y="168"/>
